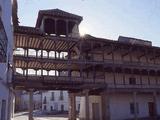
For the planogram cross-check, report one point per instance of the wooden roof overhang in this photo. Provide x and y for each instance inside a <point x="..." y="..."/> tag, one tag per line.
<point x="90" y="43"/>
<point x="57" y="13"/>
<point x="32" y="38"/>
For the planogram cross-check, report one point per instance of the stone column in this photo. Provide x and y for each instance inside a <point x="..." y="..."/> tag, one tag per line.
<point x="87" y="105"/>
<point x="105" y="105"/>
<point x="155" y="104"/>
<point x="135" y="104"/>
<point x="30" y="105"/>
<point x="72" y="106"/>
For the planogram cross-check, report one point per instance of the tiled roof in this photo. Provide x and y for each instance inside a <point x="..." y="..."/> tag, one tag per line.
<point x="57" y="13"/>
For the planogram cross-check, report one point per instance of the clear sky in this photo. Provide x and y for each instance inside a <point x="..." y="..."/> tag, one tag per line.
<point x="103" y="18"/>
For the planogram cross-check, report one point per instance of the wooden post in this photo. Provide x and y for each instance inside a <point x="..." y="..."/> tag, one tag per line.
<point x="87" y="105"/>
<point x="72" y="106"/>
<point x="67" y="30"/>
<point x="135" y="105"/>
<point x="155" y="104"/>
<point x="30" y="104"/>
<point x="105" y="105"/>
<point x="55" y="26"/>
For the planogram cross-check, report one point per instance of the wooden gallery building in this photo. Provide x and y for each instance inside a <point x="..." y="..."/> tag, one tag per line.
<point x="116" y="79"/>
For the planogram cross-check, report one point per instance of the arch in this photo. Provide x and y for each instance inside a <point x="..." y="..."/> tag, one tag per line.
<point x="31" y="72"/>
<point x="45" y="53"/>
<point x="61" y="28"/>
<point x="52" y="72"/>
<point x="19" y="70"/>
<point x="38" y="72"/>
<point x="52" y="54"/>
<point x="19" y="51"/>
<point x="49" y="26"/>
<point x="44" y="72"/>
<point x="32" y="52"/>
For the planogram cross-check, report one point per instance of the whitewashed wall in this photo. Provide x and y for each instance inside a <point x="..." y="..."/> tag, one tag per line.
<point x="5" y="94"/>
<point x="56" y="104"/>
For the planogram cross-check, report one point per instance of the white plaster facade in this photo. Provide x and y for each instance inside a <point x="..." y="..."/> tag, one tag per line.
<point x="6" y="96"/>
<point x="119" y="106"/>
<point x="57" y="103"/>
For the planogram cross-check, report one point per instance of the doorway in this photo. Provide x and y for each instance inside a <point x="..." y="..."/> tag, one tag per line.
<point x="95" y="111"/>
<point x="151" y="108"/>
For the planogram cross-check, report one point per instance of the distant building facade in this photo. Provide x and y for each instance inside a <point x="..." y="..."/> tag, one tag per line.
<point x="22" y="101"/>
<point x="57" y="102"/>
<point x="6" y="52"/>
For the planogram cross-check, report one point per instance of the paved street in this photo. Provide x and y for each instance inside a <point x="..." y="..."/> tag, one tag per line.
<point x="24" y="116"/>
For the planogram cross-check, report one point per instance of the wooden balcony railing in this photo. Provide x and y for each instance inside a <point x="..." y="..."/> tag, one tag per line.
<point x="106" y="61"/>
<point x="85" y="81"/>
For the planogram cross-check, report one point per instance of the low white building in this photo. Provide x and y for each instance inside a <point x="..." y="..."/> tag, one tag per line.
<point x="57" y="101"/>
<point x="6" y="49"/>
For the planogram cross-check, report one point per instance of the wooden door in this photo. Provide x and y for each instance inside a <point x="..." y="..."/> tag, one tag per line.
<point x="96" y="111"/>
<point x="151" y="108"/>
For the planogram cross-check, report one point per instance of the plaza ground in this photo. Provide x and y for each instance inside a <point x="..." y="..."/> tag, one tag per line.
<point x="39" y="116"/>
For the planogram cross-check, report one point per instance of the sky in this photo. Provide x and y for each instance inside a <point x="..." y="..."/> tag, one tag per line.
<point x="103" y="18"/>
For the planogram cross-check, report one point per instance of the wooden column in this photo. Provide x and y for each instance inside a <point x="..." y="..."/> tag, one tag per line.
<point x="135" y="105"/>
<point x="55" y="26"/>
<point x="105" y="105"/>
<point x="36" y="72"/>
<point x="141" y="81"/>
<point x="67" y="28"/>
<point x="36" y="53"/>
<point x="87" y="105"/>
<point x="47" y="54"/>
<point x="30" y="117"/>
<point x="130" y="54"/>
<point x="27" y="65"/>
<point x="123" y="72"/>
<point x="68" y="61"/>
<point x="72" y="106"/>
<point x="148" y="75"/>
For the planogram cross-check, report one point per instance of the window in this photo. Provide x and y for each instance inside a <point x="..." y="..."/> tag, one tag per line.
<point x="62" y="108"/>
<point x="45" y="100"/>
<point x="51" y="108"/>
<point x="132" y="81"/>
<point x="132" y="108"/>
<point x="45" y="107"/>
<point x="61" y="95"/>
<point x="52" y="96"/>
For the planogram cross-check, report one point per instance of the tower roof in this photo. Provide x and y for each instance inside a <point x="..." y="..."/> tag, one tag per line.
<point x="57" y="13"/>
